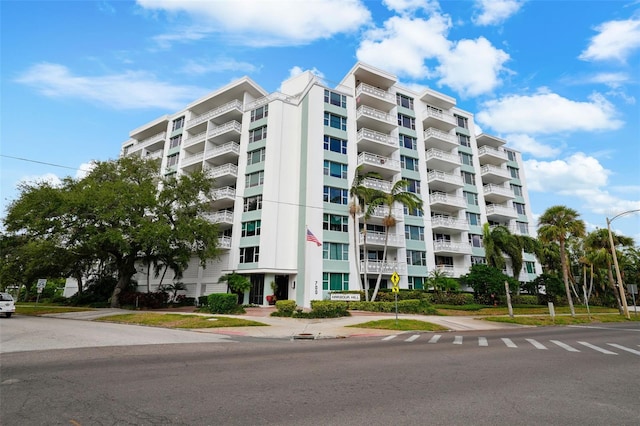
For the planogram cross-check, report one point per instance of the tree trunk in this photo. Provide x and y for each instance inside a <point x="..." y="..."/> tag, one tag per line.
<point x="126" y="270"/>
<point x="509" y="306"/>
<point x="613" y="287"/>
<point x="565" y="277"/>
<point x="78" y="277"/>
<point x="384" y="259"/>
<point x="356" y="248"/>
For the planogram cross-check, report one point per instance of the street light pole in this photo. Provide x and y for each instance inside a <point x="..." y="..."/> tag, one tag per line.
<point x="615" y="263"/>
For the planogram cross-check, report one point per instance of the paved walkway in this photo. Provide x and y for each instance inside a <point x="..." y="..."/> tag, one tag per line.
<point x="295" y="328"/>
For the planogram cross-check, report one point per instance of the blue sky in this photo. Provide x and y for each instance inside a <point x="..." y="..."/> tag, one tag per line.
<point x="559" y="80"/>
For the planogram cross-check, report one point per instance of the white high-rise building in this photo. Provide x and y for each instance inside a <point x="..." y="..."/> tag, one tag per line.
<point x="284" y="162"/>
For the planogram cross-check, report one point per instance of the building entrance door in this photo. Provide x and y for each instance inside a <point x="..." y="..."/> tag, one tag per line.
<point x="282" y="290"/>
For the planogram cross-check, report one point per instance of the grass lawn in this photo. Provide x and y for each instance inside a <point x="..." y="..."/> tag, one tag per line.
<point x="31" y="308"/>
<point x="179" y="320"/>
<point x="402" y="325"/>
<point x="464" y="310"/>
<point x="540" y="320"/>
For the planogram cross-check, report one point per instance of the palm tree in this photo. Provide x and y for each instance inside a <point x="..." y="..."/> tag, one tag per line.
<point x="599" y="253"/>
<point x="361" y="201"/>
<point x="556" y="224"/>
<point x="398" y="194"/>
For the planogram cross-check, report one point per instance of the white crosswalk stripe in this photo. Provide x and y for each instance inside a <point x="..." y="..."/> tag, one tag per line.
<point x="597" y="348"/>
<point x="412" y="338"/>
<point x="393" y="336"/>
<point x="457" y="340"/>
<point x="509" y="343"/>
<point x="536" y="344"/>
<point x="564" y="346"/>
<point x="633" y="351"/>
<point x="435" y="338"/>
<point x="482" y="341"/>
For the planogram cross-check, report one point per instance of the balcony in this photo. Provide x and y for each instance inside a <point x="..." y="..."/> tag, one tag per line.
<point x="446" y="202"/>
<point x="379" y="143"/>
<point x="494" y="174"/>
<point x="220" y="217"/>
<point x="484" y="139"/>
<point x="192" y="159"/>
<point x="500" y="212"/>
<point x="227" y="153"/>
<point x="436" y="138"/>
<point x="441" y="160"/>
<point x="452" y="271"/>
<point x="374" y="97"/>
<point x="380" y="185"/>
<point x="384" y="166"/>
<point x="224" y="197"/>
<point x="435" y="117"/>
<point x="445" y="182"/>
<point x="377" y="239"/>
<point x="449" y="223"/>
<point x="154" y="155"/>
<point x="375" y="119"/>
<point x="233" y="106"/>
<point x="224" y="133"/>
<point x="387" y="268"/>
<point x="225" y="175"/>
<point x="195" y="143"/>
<point x="497" y="193"/>
<point x="443" y="247"/>
<point x="438" y="99"/>
<point x="224" y="243"/>
<point x="489" y="155"/>
<point x="380" y="213"/>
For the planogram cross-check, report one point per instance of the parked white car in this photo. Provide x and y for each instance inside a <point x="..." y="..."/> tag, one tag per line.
<point x="7" y="307"/>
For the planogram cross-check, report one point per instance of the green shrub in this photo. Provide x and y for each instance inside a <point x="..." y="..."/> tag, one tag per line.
<point x="328" y="309"/>
<point x="223" y="303"/>
<point x="412" y="306"/>
<point x="524" y="300"/>
<point x="386" y="295"/>
<point x="285" y="308"/>
<point x="452" y="298"/>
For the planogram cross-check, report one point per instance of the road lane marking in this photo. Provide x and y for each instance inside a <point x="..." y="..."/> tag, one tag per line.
<point x="435" y="338"/>
<point x="412" y="338"/>
<point x="509" y="343"/>
<point x="536" y="344"/>
<point x="597" y="348"/>
<point x="633" y="351"/>
<point x="564" y="346"/>
<point x="393" y="336"/>
<point x="482" y="341"/>
<point x="457" y="340"/>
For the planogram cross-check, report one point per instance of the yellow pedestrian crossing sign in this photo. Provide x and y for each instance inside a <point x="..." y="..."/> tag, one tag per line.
<point x="395" y="279"/>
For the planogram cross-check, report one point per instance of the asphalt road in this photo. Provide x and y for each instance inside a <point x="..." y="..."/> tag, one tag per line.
<point x="463" y="378"/>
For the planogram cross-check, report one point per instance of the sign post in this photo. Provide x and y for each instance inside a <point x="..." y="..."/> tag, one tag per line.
<point x="633" y="289"/>
<point x="395" y="279"/>
<point x="40" y="286"/>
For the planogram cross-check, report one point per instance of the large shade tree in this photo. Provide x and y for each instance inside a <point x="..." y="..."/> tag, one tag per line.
<point x="122" y="211"/>
<point x="556" y="225"/>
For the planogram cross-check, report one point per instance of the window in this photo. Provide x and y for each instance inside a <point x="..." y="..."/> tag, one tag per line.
<point x="515" y="173"/>
<point x="530" y="267"/>
<point x="463" y="140"/>
<point x="335" y="195"/>
<point x="178" y="123"/>
<point x="517" y="190"/>
<point x="251" y="228"/>
<point x="412" y="232"/>
<point x="258" y="134"/>
<point x="466" y="158"/>
<point x="469" y="178"/>
<point x="523" y="228"/>
<point x="473" y="219"/>
<point x="335" y="251"/>
<point x="404" y="101"/>
<point x="406" y="121"/>
<point x="334" y="169"/>
<point x="253" y="203"/>
<point x="478" y="260"/>
<point x="334" y="222"/>
<point x="409" y="163"/>
<point x="413" y="186"/>
<point x="408" y="142"/>
<point x="510" y="155"/>
<point x="475" y="240"/>
<point x="334" y="281"/>
<point x="444" y="260"/>
<point x="472" y="198"/>
<point x="335" y="121"/>
<point x="249" y="254"/>
<point x="416" y="257"/>
<point x="413" y="212"/>
<point x="519" y="207"/>
<point x="172" y="160"/>
<point x="335" y="145"/>
<point x="461" y="121"/>
<point x="254" y="179"/>
<point x="256" y="156"/>
<point x="175" y="141"/>
<point x="416" y="283"/>
<point x="335" y="98"/>
<point x="259" y="113"/>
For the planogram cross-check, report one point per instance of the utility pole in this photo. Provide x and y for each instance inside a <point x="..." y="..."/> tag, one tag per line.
<point x="615" y="263"/>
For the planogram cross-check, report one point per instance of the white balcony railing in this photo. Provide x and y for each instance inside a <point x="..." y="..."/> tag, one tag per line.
<point x="432" y="132"/>
<point x="386" y="267"/>
<point x="192" y="140"/>
<point x="374" y="91"/>
<point x="377" y="238"/>
<point x="365" y="111"/>
<point x="223" y="128"/>
<point x="225" y="169"/>
<point x="432" y="112"/>
<point x="383" y="138"/>
<point x="221" y="216"/>
<point x="494" y="170"/>
<point x="497" y="189"/>
<point x="488" y="150"/>
<point x="224" y="242"/>
<point x="445" y="177"/>
<point x="224" y="149"/>
<point x="379" y="184"/>
<point x="501" y="210"/>
<point x="449" y="222"/>
<point x="224" y="192"/>
<point x="444" y="198"/>
<point x="234" y="104"/>
<point x="192" y="158"/>
<point x="378" y="160"/>
<point x="451" y="247"/>
<point x="442" y="155"/>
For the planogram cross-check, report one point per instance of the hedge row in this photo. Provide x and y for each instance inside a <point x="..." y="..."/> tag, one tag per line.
<point x="223" y="303"/>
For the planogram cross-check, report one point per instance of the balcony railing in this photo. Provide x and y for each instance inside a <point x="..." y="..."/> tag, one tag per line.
<point x="235" y="104"/>
<point x="224" y="242"/>
<point x="451" y="270"/>
<point x="377" y="238"/>
<point x="225" y="169"/>
<point x="445" y="177"/>
<point x="451" y="247"/>
<point x="432" y="132"/>
<point x="224" y="192"/>
<point x="383" y="138"/>
<point x="365" y="111"/>
<point x="381" y="185"/>
<point x="222" y="216"/>
<point x="494" y="170"/>
<point x="378" y="160"/>
<point x="442" y="155"/>
<point x="488" y="150"/>
<point x="449" y="222"/>
<point x="223" y="128"/>
<point x="191" y="140"/>
<point x="374" y="91"/>
<point x="193" y="158"/>
<point x="497" y="189"/>
<point x="223" y="149"/>
<point x="444" y="198"/>
<point x="386" y="267"/>
<point x="500" y="210"/>
<point x="432" y="112"/>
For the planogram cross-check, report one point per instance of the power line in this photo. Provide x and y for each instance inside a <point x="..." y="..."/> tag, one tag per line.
<point x="41" y="162"/>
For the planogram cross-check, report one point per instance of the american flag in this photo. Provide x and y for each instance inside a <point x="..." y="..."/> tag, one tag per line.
<point x="312" y="238"/>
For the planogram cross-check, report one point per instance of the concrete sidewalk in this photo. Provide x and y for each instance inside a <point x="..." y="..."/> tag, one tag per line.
<point x="324" y="328"/>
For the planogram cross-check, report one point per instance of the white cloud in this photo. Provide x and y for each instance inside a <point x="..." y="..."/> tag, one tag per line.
<point x="85" y="169"/>
<point x="616" y="41"/>
<point x="267" y="23"/>
<point x="482" y="77"/>
<point x="545" y="113"/>
<point x="129" y="90"/>
<point x="409" y="6"/>
<point x="493" y="12"/>
<point x="528" y="145"/>
<point x="198" y="67"/>
<point x="296" y="70"/>
<point x="611" y="79"/>
<point x="49" y="178"/>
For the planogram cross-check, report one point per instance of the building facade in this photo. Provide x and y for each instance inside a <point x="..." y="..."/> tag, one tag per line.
<point x="284" y="162"/>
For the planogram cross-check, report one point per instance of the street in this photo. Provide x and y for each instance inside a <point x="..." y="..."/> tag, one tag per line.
<point x="531" y="376"/>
